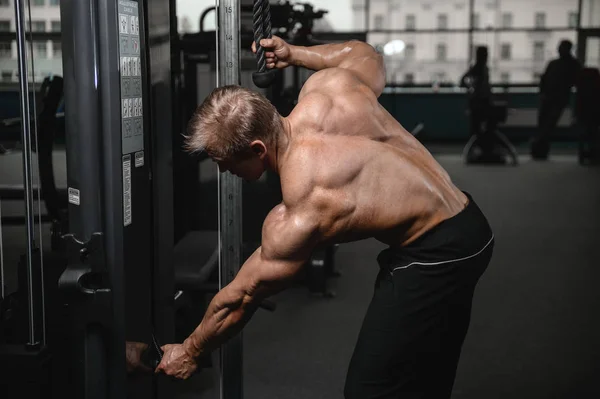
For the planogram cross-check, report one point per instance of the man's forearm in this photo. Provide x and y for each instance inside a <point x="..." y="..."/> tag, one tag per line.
<point x="226" y="315"/>
<point x="234" y="305"/>
<point x="325" y="56"/>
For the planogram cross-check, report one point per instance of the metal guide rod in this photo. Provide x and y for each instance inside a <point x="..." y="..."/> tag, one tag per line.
<point x="26" y="136"/>
<point x="230" y="196"/>
<point x="39" y="192"/>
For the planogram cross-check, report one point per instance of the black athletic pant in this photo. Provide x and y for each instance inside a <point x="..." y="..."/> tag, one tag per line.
<point x="411" y="338"/>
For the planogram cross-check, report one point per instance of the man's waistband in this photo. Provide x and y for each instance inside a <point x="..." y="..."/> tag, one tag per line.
<point x="460" y="237"/>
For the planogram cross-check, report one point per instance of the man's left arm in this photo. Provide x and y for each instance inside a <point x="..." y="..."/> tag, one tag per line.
<point x="288" y="240"/>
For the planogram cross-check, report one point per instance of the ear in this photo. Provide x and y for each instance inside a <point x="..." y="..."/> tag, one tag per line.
<point x="259" y="148"/>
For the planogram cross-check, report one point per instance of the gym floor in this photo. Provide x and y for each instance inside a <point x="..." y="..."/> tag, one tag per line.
<point x="535" y="326"/>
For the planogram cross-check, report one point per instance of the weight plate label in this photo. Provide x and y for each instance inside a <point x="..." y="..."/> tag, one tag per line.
<point x="74" y="197"/>
<point x="127" y="209"/>
<point x="139" y="159"/>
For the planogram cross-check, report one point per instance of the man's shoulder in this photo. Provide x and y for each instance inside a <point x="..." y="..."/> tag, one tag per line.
<point x="330" y="81"/>
<point x="312" y="110"/>
<point x="315" y="100"/>
<point x="335" y="88"/>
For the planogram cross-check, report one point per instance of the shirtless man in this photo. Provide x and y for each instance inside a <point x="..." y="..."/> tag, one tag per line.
<point x="348" y="171"/>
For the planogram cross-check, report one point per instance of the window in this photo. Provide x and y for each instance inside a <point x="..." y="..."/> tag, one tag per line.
<point x="441" y="52"/>
<point x="442" y="20"/>
<point x="538" y="51"/>
<point x="507" y="20"/>
<point x="505" y="78"/>
<point x="476" y="21"/>
<point x="4" y="3"/>
<point x="378" y="22"/>
<point x="5" y="50"/>
<point x="573" y="19"/>
<point x="411" y="22"/>
<point x="5" y="26"/>
<point x="505" y="53"/>
<point x="38" y="26"/>
<point x="56" y="49"/>
<point x="55" y="26"/>
<point x="41" y="49"/>
<point x="540" y="20"/>
<point x="54" y="2"/>
<point x="491" y="5"/>
<point x="38" y="2"/>
<point x="439" y="77"/>
<point x="7" y="76"/>
<point x="409" y="51"/>
<point x="409" y="78"/>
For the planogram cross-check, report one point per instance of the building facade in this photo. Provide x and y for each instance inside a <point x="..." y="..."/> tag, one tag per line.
<point x="522" y="36"/>
<point x="47" y="54"/>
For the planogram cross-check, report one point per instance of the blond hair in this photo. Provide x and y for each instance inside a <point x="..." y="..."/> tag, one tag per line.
<point x="229" y="120"/>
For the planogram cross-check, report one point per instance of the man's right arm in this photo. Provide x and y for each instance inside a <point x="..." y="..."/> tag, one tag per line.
<point x="356" y="56"/>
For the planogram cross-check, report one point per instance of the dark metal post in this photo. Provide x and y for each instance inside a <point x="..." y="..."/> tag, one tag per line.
<point x="96" y="372"/>
<point x="27" y="180"/>
<point x="230" y="196"/>
<point x="81" y="71"/>
<point x="165" y="75"/>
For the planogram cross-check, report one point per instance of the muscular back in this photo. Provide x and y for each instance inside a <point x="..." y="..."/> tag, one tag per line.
<point x="348" y="171"/>
<point x="354" y="168"/>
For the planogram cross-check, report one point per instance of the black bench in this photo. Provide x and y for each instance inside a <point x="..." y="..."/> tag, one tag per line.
<point x="196" y="262"/>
